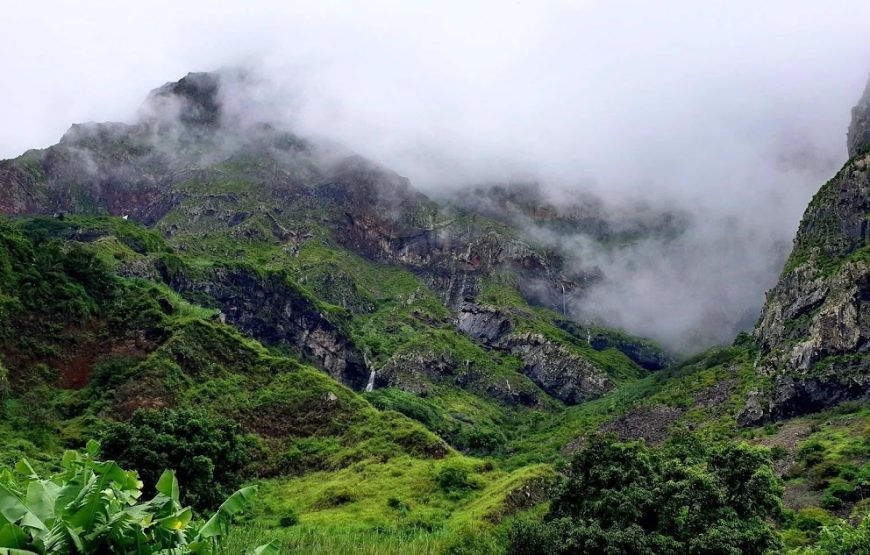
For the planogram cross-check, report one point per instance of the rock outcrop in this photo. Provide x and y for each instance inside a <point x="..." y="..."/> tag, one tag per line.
<point x="555" y="368"/>
<point x="416" y="372"/>
<point x="270" y="309"/>
<point x="858" y="136"/>
<point x="814" y="331"/>
<point x="563" y="374"/>
<point x="188" y="137"/>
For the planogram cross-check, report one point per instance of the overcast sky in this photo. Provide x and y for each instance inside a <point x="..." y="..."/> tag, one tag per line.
<point x="735" y="111"/>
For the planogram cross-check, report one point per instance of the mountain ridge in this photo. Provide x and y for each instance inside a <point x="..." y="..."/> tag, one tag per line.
<point x="356" y="328"/>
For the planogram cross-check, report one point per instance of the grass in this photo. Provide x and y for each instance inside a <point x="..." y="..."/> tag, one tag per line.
<point x="365" y="473"/>
<point x="316" y="541"/>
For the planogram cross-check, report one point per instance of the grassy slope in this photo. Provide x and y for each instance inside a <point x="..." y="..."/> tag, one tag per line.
<point x="341" y="456"/>
<point x="354" y="473"/>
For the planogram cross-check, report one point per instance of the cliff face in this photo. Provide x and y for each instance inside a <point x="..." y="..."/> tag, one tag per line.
<point x="552" y="366"/>
<point x="186" y="142"/>
<point x="270" y="309"/>
<point x="243" y="198"/>
<point x="858" y="136"/>
<point x="814" y="331"/>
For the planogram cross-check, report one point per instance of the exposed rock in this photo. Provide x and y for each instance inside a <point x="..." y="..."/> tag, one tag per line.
<point x="484" y="323"/>
<point x="717" y="394"/>
<point x="791" y="396"/>
<point x="270" y="309"/>
<point x="814" y="331"/>
<point x="859" y="129"/>
<point x="557" y="370"/>
<point x="645" y="353"/>
<point x="651" y="424"/>
<point x="188" y="133"/>
<point x="561" y="373"/>
<point x="525" y="204"/>
<point x="416" y="372"/>
<point x="193" y="100"/>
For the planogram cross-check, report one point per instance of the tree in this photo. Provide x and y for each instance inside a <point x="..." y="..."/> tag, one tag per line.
<point x="207" y="453"/>
<point x="623" y="498"/>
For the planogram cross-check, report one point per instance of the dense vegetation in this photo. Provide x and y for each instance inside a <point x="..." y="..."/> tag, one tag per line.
<point x="207" y="453"/>
<point x="625" y="498"/>
<point x="95" y="507"/>
<point x="96" y="343"/>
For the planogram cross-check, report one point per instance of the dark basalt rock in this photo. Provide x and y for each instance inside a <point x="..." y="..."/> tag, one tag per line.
<point x="814" y="331"/>
<point x="194" y="99"/>
<point x="651" y="424"/>
<point x="793" y="396"/>
<point x="484" y="323"/>
<point x="858" y="136"/>
<point x="416" y="372"/>
<point x="553" y="367"/>
<point x="270" y="309"/>
<point x="561" y="373"/>
<point x="646" y="354"/>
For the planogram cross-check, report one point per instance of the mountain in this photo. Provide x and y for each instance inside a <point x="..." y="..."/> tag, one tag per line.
<point x="399" y="366"/>
<point x="813" y="331"/>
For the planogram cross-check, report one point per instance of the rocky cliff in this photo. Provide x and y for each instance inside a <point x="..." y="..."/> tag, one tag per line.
<point x="814" y="331"/>
<point x="858" y="136"/>
<point x="552" y="366"/>
<point x="188" y="140"/>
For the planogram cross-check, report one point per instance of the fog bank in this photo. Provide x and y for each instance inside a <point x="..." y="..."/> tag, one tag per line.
<point x="733" y="113"/>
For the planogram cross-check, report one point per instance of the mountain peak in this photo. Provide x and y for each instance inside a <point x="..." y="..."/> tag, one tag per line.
<point x="858" y="136"/>
<point x="193" y="99"/>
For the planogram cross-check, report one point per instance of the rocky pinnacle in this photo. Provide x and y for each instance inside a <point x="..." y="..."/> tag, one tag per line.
<point x="859" y="129"/>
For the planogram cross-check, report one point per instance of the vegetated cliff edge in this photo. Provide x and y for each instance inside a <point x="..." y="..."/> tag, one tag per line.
<point x="814" y="331"/>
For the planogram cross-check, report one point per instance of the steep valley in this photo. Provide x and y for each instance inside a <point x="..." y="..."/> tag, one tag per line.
<point x="403" y="370"/>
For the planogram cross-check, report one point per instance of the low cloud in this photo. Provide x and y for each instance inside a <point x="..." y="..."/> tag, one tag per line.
<point x="730" y="114"/>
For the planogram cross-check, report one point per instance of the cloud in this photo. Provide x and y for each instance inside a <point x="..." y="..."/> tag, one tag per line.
<point x="731" y="112"/>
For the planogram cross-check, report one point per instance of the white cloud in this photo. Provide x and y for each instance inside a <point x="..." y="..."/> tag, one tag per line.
<point x="734" y="111"/>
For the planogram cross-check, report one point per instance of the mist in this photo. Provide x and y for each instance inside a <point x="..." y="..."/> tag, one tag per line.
<point x="730" y="114"/>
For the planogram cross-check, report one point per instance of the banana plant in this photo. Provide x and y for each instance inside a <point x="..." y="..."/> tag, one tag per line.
<point x="94" y="507"/>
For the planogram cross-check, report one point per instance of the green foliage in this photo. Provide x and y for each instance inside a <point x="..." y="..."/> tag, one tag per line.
<point x="289" y="519"/>
<point x="95" y="507"/>
<point x="841" y="538"/>
<point x="626" y="498"/>
<point x="51" y="279"/>
<point x="455" y="478"/>
<point x="4" y="383"/>
<point x="85" y="228"/>
<point x="208" y="453"/>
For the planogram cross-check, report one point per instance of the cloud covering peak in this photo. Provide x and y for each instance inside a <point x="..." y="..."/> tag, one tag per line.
<point x="731" y="114"/>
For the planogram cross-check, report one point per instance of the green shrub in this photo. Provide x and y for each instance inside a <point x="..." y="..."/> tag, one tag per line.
<point x="335" y="497"/>
<point x="398" y="505"/>
<point x="206" y="452"/>
<point x="778" y="453"/>
<point x="837" y="495"/>
<point x="626" y="498"/>
<point x="455" y="478"/>
<point x="811" y="453"/>
<point x="289" y="519"/>
<point x="811" y="519"/>
<point x="482" y="441"/>
<point x="841" y="538"/>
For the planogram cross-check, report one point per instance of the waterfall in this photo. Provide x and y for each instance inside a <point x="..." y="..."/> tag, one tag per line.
<point x="371" y="385"/>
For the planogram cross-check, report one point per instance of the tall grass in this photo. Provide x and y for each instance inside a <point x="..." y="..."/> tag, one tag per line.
<point x="339" y="542"/>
